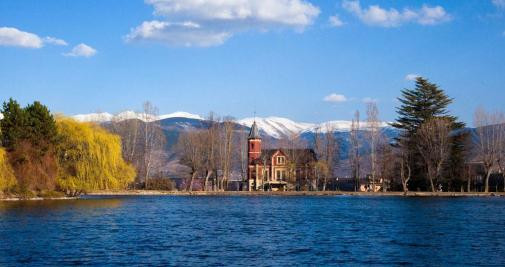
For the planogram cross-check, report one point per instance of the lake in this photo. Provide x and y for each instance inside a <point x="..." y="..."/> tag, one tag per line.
<point x="253" y="231"/>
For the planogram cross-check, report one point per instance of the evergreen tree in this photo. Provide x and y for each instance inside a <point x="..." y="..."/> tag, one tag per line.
<point x="41" y="126"/>
<point x="13" y="124"/>
<point x="29" y="135"/>
<point x="426" y="101"/>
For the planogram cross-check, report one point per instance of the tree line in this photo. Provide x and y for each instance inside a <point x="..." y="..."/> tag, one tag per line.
<point x="433" y="150"/>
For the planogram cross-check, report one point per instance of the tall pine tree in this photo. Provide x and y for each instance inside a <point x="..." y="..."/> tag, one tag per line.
<point x="426" y="101"/>
<point x="41" y="126"/>
<point x="13" y="124"/>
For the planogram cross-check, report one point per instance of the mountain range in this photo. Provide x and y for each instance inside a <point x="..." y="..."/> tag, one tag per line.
<point x="274" y="127"/>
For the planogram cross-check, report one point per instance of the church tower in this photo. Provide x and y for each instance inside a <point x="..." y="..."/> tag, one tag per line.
<point x="254" y="144"/>
<point x="253" y="155"/>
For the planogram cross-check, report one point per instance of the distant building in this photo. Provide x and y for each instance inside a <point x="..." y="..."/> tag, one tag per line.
<point x="277" y="169"/>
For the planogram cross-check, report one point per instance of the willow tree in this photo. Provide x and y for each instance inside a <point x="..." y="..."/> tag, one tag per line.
<point x="90" y="158"/>
<point x="7" y="178"/>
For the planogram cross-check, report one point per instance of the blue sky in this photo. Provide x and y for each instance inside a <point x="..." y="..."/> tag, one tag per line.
<point x="282" y="58"/>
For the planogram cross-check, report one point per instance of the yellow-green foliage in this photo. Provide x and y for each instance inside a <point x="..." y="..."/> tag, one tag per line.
<point x="7" y="178"/>
<point x="90" y="158"/>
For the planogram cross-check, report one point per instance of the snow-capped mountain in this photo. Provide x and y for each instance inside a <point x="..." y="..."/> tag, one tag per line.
<point x="279" y="127"/>
<point x="128" y="115"/>
<point x="275" y="127"/>
<point x="94" y="117"/>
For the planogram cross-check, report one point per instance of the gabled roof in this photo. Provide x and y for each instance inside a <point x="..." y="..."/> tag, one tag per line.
<point x="302" y="156"/>
<point x="254" y="133"/>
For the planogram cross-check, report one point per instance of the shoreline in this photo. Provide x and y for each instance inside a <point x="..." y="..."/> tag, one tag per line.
<point x="291" y="193"/>
<point x="125" y="193"/>
<point x="37" y="198"/>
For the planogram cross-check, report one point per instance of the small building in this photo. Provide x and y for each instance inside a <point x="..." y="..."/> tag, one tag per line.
<point x="277" y="169"/>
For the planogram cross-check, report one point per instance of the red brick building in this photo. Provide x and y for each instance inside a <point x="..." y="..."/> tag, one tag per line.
<point x="277" y="169"/>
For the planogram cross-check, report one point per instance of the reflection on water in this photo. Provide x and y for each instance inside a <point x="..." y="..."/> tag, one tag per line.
<point x="261" y="231"/>
<point x="36" y="206"/>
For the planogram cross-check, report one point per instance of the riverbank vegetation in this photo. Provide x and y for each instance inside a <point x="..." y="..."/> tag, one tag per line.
<point x="431" y="150"/>
<point x="44" y="156"/>
<point x="425" y="149"/>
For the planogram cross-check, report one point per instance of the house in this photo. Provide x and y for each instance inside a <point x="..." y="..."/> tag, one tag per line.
<point x="277" y="169"/>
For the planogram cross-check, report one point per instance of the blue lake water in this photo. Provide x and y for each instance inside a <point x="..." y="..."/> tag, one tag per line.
<point x="254" y="231"/>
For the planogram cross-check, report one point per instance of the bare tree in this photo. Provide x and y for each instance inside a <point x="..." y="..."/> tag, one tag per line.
<point x="153" y="138"/>
<point x="128" y="129"/>
<point x="210" y="148"/>
<point x="190" y="146"/>
<point x="434" y="146"/>
<point x="403" y="156"/>
<point x="373" y="134"/>
<point x="320" y="150"/>
<point x="293" y="146"/>
<point x="226" y="150"/>
<point x="386" y="163"/>
<point x="326" y="148"/>
<point x="354" y="151"/>
<point x="243" y="155"/>
<point x="490" y="128"/>
<point x="332" y="152"/>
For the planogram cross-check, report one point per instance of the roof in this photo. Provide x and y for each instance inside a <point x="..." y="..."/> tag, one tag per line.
<point x="254" y="133"/>
<point x="301" y="156"/>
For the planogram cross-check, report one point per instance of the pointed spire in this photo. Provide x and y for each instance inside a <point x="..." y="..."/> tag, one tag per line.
<point x="254" y="133"/>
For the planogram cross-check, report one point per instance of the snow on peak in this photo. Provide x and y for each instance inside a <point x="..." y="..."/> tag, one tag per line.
<point x="277" y="127"/>
<point x="181" y="114"/>
<point x="281" y="127"/>
<point x="128" y="115"/>
<point x="94" y="117"/>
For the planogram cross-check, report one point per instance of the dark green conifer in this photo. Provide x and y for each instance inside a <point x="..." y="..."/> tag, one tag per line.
<point x="13" y="124"/>
<point x="426" y="101"/>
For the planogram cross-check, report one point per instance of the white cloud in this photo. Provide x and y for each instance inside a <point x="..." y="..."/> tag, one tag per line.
<point x="412" y="77"/>
<point x="81" y="50"/>
<point x="13" y="37"/>
<point x="54" y="41"/>
<point x="377" y="16"/>
<point x="432" y="15"/>
<point x="219" y="20"/>
<point x="335" y="98"/>
<point x="335" y="21"/>
<point x="180" y="34"/>
<point x="370" y="100"/>
<point x="499" y="3"/>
